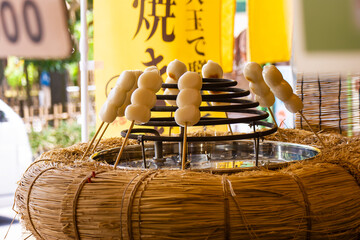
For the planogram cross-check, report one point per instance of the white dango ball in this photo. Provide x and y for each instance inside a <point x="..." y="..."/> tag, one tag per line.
<point x="294" y="104"/>
<point x="150" y="80"/>
<point x="131" y="91"/>
<point x="212" y="70"/>
<point x="175" y="69"/>
<point x="126" y="80"/>
<point x="253" y="72"/>
<point x="143" y="96"/>
<point x="171" y="91"/>
<point x="188" y="96"/>
<point x="283" y="91"/>
<point x="170" y="80"/>
<point x="117" y="96"/>
<point x="152" y="69"/>
<point x="127" y="102"/>
<point x="189" y="115"/>
<point x="138" y="113"/>
<point x="263" y="94"/>
<point x="260" y="88"/>
<point x="188" y="99"/>
<point x="272" y="76"/>
<point x="108" y="112"/>
<point x="190" y="80"/>
<point x="121" y="110"/>
<point x="137" y="74"/>
<point x="266" y="101"/>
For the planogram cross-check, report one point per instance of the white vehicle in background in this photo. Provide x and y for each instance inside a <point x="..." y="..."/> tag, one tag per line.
<point x="15" y="153"/>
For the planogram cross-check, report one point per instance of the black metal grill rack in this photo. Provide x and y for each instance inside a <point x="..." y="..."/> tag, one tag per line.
<point x="225" y="92"/>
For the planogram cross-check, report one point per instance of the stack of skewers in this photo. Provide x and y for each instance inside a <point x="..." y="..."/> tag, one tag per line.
<point x="135" y="94"/>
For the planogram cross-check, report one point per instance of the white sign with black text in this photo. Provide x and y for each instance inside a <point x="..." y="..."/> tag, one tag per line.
<point x="34" y="29"/>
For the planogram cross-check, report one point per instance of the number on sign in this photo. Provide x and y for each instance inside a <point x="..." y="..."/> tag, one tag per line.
<point x="30" y="13"/>
<point x="7" y="8"/>
<point x="30" y="6"/>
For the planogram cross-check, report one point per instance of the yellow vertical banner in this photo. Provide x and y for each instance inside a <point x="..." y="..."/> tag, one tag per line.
<point x="228" y="8"/>
<point x="269" y="32"/>
<point x="135" y="34"/>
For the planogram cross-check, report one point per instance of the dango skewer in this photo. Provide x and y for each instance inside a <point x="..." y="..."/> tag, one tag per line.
<point x="307" y="122"/>
<point x="229" y="125"/>
<point x="188" y="102"/>
<point x="92" y="141"/>
<point x="284" y="92"/>
<point x="262" y="92"/>
<point x="121" y="110"/>
<point x="102" y="134"/>
<point x="142" y="100"/>
<point x="115" y="100"/>
<point x="124" y="144"/>
<point x="184" y="148"/>
<point x="213" y="70"/>
<point x="174" y="70"/>
<point x="107" y="115"/>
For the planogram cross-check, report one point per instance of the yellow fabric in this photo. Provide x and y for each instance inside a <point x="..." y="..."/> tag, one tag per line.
<point x="269" y="32"/>
<point x="228" y="8"/>
<point x="192" y="31"/>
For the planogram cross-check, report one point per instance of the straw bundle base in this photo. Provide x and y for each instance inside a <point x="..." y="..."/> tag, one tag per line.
<point x="60" y="198"/>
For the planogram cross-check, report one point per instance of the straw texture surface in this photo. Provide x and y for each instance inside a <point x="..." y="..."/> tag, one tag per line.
<point x="61" y="198"/>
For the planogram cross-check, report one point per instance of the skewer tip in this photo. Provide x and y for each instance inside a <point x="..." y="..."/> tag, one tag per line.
<point x="184" y="152"/>
<point x="124" y="144"/>
<point x="307" y="122"/>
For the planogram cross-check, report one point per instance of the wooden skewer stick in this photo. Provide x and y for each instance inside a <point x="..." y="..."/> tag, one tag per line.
<point x="302" y="115"/>
<point x="102" y="134"/>
<point x="92" y="141"/>
<point x="171" y="115"/>
<point x="184" y="150"/>
<point x="227" y="116"/>
<point x="273" y="117"/>
<point x="124" y="144"/>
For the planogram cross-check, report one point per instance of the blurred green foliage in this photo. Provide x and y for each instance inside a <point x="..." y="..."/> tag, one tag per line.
<point x="50" y="138"/>
<point x="15" y="75"/>
<point x="14" y="71"/>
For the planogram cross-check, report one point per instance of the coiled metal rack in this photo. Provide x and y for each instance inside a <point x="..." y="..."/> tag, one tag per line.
<point x="226" y="92"/>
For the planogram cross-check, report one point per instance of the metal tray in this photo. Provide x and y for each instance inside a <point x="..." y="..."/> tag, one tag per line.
<point x="223" y="156"/>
